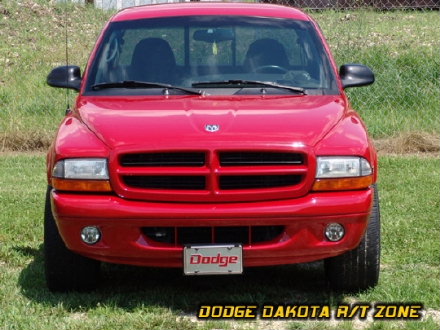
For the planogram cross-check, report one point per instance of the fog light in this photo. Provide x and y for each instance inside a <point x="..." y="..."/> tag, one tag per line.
<point x="334" y="232"/>
<point x="90" y="235"/>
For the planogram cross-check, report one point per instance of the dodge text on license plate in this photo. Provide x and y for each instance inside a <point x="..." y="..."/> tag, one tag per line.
<point x="213" y="259"/>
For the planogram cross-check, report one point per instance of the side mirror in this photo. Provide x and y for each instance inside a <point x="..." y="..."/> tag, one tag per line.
<point x="68" y="76"/>
<point x="355" y="75"/>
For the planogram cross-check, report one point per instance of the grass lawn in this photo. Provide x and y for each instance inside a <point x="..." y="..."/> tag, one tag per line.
<point x="402" y="48"/>
<point x="143" y="298"/>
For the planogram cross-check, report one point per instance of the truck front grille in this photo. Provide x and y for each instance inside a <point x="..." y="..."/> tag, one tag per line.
<point x="166" y="182"/>
<point x="163" y="159"/>
<point x="245" y="235"/>
<point x="260" y="158"/>
<point x="258" y="181"/>
<point x="211" y="176"/>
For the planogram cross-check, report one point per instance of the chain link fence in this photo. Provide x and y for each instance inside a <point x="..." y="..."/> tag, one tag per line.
<point x="398" y="39"/>
<point x="309" y="4"/>
<point x="359" y="4"/>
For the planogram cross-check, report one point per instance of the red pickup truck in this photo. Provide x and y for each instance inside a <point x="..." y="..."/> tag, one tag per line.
<point x="211" y="137"/>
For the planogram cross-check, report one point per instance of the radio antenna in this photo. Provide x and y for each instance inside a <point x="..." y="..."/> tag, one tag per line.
<point x="67" y="56"/>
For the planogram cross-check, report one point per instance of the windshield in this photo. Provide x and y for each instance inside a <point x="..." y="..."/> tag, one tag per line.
<point x="210" y="53"/>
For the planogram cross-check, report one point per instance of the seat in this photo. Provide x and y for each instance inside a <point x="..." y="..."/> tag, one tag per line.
<point x="153" y="61"/>
<point x="265" y="52"/>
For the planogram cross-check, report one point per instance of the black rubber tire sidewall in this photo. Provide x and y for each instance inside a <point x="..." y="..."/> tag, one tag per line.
<point x="358" y="269"/>
<point x="65" y="270"/>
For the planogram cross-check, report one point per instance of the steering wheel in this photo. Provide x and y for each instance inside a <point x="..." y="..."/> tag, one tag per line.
<point x="271" y="69"/>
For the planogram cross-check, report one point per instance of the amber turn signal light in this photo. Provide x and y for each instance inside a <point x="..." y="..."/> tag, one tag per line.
<point x="81" y="185"/>
<point x="333" y="184"/>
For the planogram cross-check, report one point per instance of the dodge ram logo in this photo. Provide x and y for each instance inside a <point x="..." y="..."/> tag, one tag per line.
<point x="212" y="128"/>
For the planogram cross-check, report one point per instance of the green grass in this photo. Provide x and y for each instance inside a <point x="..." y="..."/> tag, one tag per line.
<point x="30" y="110"/>
<point x="402" y="47"/>
<point x="144" y="298"/>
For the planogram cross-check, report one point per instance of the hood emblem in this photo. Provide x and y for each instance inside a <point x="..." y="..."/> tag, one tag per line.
<point x="212" y="128"/>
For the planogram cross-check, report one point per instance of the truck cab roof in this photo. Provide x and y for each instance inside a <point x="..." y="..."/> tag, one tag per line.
<point x="203" y="8"/>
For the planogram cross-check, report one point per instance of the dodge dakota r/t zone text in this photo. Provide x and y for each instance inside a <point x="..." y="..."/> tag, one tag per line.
<point x="211" y="137"/>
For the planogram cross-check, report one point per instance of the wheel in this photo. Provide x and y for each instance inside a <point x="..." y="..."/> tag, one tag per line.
<point x="271" y="69"/>
<point x="65" y="270"/>
<point x="358" y="269"/>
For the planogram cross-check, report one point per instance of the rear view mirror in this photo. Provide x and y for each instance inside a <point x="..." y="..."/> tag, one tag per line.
<point x="68" y="76"/>
<point x="213" y="35"/>
<point x="356" y="75"/>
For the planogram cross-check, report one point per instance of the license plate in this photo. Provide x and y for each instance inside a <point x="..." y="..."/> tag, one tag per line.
<point x="213" y="259"/>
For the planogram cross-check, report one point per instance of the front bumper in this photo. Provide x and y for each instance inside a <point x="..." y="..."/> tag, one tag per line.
<point x="123" y="241"/>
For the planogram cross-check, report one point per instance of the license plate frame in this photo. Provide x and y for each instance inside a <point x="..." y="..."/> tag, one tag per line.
<point x="219" y="259"/>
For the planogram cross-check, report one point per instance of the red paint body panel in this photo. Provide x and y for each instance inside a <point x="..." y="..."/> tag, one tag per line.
<point x="123" y="242"/>
<point x="307" y="125"/>
<point x="155" y="121"/>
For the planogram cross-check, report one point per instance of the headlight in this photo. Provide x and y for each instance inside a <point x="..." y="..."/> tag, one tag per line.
<point x="342" y="167"/>
<point x="81" y="168"/>
<point x="81" y="174"/>
<point x="342" y="173"/>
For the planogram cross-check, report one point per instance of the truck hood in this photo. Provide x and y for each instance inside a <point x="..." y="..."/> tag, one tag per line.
<point x="155" y="122"/>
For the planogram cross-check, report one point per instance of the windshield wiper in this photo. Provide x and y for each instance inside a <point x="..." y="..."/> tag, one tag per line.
<point x="243" y="83"/>
<point x="143" y="84"/>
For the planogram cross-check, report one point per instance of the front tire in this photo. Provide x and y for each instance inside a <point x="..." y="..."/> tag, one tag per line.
<point x="65" y="270"/>
<point x="358" y="269"/>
